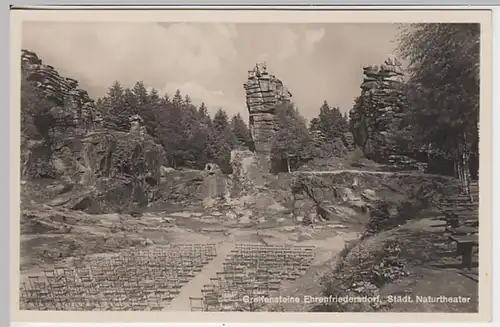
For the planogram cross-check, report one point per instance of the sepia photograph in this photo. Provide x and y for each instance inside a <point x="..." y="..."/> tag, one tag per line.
<point x="250" y="166"/>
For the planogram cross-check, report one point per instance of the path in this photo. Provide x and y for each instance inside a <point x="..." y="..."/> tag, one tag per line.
<point x="354" y="171"/>
<point x="195" y="285"/>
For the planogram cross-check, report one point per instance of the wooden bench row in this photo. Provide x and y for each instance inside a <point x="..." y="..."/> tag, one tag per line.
<point x="462" y="224"/>
<point x="465" y="247"/>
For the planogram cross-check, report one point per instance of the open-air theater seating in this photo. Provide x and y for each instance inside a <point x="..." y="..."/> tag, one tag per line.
<point x="132" y="280"/>
<point x="253" y="271"/>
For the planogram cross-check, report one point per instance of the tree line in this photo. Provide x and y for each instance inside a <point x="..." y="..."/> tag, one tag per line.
<point x="297" y="142"/>
<point x="192" y="138"/>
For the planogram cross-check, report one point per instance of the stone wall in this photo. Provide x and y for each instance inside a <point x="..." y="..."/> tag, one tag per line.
<point x="263" y="92"/>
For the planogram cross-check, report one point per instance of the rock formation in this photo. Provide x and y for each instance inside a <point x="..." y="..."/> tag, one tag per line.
<point x="137" y="126"/>
<point x="377" y="115"/>
<point x="125" y="169"/>
<point x="263" y="93"/>
<point x="340" y="196"/>
<point x="113" y="171"/>
<point x="63" y="92"/>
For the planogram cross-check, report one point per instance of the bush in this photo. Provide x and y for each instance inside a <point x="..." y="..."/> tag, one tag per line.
<point x="362" y="270"/>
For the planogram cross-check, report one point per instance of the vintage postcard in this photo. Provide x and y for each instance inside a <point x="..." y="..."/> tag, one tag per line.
<point x="251" y="165"/>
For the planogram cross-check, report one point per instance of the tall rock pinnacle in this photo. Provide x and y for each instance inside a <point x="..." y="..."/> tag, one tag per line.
<point x="263" y="93"/>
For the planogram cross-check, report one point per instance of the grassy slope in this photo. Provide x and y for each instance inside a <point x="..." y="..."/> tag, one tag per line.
<point x="427" y="266"/>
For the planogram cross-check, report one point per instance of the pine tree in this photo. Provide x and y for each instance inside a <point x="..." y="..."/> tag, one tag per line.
<point x="170" y="128"/>
<point x="223" y="140"/>
<point x="177" y="100"/>
<point x="331" y="122"/>
<point x="130" y="108"/>
<point x="204" y="117"/>
<point x="149" y="107"/>
<point x="240" y="130"/>
<point x="115" y="92"/>
<point x="314" y="125"/>
<point x="192" y="144"/>
<point x="346" y="119"/>
<point x="220" y="121"/>
<point x="118" y="108"/>
<point x="163" y="124"/>
<point x="203" y="111"/>
<point x="357" y="124"/>
<point x="328" y="129"/>
<point x="141" y="93"/>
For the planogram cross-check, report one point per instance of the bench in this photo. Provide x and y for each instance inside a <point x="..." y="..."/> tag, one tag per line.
<point x="468" y="212"/>
<point x="456" y="222"/>
<point x="465" y="246"/>
<point x="460" y="197"/>
<point x="455" y="219"/>
<point x="196" y="303"/>
<point x="464" y="230"/>
<point x="459" y="207"/>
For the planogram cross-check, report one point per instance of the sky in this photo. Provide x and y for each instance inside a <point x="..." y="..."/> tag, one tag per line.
<point x="210" y="61"/>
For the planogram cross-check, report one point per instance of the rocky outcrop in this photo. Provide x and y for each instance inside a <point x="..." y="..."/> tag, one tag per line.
<point x="377" y="116"/>
<point x="263" y="93"/>
<point x="113" y="171"/>
<point x="69" y="100"/>
<point x="126" y="169"/>
<point x="340" y="196"/>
